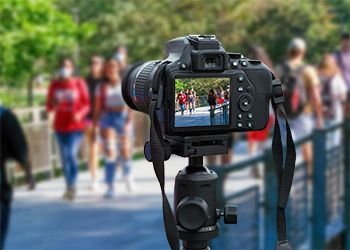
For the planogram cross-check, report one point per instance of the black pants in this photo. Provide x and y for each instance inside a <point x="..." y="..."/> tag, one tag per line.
<point x="5" y="218"/>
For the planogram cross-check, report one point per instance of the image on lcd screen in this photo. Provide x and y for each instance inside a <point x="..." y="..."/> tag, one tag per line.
<point x="202" y="102"/>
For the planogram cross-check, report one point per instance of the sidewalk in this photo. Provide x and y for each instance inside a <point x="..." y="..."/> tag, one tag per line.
<point x="42" y="220"/>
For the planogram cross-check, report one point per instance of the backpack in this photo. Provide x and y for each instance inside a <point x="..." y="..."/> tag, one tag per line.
<point x="327" y="98"/>
<point x="294" y="90"/>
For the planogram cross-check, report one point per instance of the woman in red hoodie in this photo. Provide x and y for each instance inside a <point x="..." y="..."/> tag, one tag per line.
<point x="68" y="99"/>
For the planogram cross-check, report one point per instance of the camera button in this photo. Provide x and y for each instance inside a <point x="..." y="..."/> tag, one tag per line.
<point x="240" y="125"/>
<point x="240" y="89"/>
<point x="240" y="78"/>
<point x="245" y="102"/>
<point x="234" y="64"/>
<point x="250" y="125"/>
<point x="183" y="66"/>
<point x="239" y="116"/>
<point x="244" y="63"/>
<point x="250" y="116"/>
<point x="249" y="88"/>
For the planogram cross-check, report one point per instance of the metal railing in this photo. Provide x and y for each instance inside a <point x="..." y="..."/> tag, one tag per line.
<point x="319" y="205"/>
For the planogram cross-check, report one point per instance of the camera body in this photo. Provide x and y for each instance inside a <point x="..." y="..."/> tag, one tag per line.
<point x="227" y="92"/>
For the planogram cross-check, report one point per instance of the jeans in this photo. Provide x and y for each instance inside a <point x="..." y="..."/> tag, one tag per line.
<point x="69" y="143"/>
<point x="110" y="167"/>
<point x="5" y="208"/>
<point x="116" y="121"/>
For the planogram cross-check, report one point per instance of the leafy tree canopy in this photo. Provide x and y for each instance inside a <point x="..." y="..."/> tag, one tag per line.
<point x="34" y="34"/>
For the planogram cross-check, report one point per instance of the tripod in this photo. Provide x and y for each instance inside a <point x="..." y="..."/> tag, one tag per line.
<point x="195" y="202"/>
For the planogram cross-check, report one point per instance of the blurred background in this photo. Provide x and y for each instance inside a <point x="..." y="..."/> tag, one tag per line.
<point x="111" y="198"/>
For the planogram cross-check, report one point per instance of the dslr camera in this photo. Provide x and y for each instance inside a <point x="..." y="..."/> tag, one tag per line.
<point x="226" y="92"/>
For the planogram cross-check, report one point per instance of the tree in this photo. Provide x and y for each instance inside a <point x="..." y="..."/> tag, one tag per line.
<point x="144" y="26"/>
<point x="34" y="34"/>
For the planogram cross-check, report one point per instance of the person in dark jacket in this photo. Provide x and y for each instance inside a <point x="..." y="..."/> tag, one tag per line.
<point x="94" y="78"/>
<point x="13" y="146"/>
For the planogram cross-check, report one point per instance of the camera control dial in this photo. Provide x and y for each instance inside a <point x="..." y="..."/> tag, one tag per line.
<point x="245" y="102"/>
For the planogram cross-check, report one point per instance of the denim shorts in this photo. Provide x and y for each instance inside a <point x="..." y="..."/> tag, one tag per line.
<point x="116" y="120"/>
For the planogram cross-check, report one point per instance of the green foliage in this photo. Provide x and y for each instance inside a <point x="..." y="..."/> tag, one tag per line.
<point x="144" y="26"/>
<point x="202" y="85"/>
<point x="34" y="34"/>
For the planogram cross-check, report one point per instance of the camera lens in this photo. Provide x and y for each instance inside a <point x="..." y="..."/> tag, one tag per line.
<point x="136" y="85"/>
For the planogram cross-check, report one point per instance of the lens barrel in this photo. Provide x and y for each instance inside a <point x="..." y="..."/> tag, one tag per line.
<point x="137" y="84"/>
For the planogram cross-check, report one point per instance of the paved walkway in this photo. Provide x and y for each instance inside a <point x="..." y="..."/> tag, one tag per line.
<point x="42" y="220"/>
<point x="200" y="118"/>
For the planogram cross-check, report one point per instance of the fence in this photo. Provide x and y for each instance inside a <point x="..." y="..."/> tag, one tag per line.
<point x="319" y="206"/>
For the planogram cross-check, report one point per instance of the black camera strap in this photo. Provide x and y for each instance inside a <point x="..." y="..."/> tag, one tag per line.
<point x="157" y="152"/>
<point x="284" y="169"/>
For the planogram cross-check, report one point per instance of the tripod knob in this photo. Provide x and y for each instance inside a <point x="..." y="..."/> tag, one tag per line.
<point x="192" y="213"/>
<point x="230" y="214"/>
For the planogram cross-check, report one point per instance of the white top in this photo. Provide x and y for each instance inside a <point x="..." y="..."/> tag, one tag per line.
<point x="113" y="95"/>
<point x="338" y="90"/>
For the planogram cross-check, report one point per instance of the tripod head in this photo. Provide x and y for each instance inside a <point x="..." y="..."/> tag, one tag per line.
<point x="195" y="202"/>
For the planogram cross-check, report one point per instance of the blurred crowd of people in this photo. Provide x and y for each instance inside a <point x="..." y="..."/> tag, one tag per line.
<point x="316" y="96"/>
<point x="93" y="108"/>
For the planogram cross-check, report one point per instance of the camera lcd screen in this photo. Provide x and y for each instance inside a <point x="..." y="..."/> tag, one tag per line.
<point x="202" y="102"/>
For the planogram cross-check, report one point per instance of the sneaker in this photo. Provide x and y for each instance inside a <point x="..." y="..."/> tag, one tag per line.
<point x="130" y="184"/>
<point x="70" y="194"/>
<point x="109" y="193"/>
<point x="95" y="186"/>
<point x="65" y="195"/>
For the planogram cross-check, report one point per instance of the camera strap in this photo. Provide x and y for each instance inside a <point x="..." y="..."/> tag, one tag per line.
<point x="284" y="168"/>
<point x="157" y="152"/>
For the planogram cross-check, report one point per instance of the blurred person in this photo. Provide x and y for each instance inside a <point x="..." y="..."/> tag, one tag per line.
<point x="191" y="100"/>
<point x="257" y="140"/>
<point x="181" y="99"/>
<point x="301" y="87"/>
<point x="68" y="100"/>
<point x="187" y="93"/>
<point x="227" y="96"/>
<point x="13" y="146"/>
<point x="121" y="56"/>
<point x="115" y="121"/>
<point x="342" y="57"/>
<point x="211" y="99"/>
<point x="94" y="78"/>
<point x="221" y="99"/>
<point x="194" y="99"/>
<point x="334" y="93"/>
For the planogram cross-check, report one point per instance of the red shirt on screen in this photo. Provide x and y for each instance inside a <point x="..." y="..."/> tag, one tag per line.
<point x="181" y="98"/>
<point x="68" y="100"/>
<point x="221" y="100"/>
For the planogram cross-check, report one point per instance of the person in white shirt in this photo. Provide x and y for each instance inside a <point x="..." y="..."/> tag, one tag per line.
<point x="114" y="119"/>
<point x="333" y="93"/>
